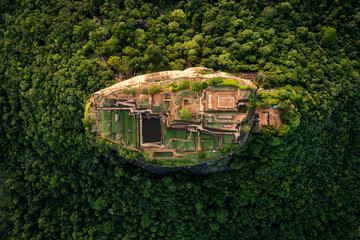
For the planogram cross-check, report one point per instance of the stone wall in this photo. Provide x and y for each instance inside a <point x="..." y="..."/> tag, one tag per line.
<point x="189" y="73"/>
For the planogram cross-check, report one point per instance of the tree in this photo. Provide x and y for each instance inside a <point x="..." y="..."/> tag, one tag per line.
<point x="198" y="86"/>
<point x="155" y="89"/>
<point x="266" y="85"/>
<point x="328" y="36"/>
<point x="178" y="64"/>
<point x="119" y="64"/>
<point x="184" y="84"/>
<point x="61" y="182"/>
<point x="185" y="114"/>
<point x="174" y="87"/>
<point x="153" y="55"/>
<point x="179" y="16"/>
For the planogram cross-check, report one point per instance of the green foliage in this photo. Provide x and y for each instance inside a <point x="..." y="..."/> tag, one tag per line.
<point x="222" y="215"/>
<point x="202" y="72"/>
<point x="86" y="119"/>
<point x="184" y="94"/>
<point x="178" y="64"/>
<point x="129" y="91"/>
<point x="228" y="82"/>
<point x="179" y="16"/>
<point x="215" y="80"/>
<point x="155" y="89"/>
<point x="145" y="91"/>
<point x="296" y="182"/>
<point x="119" y="64"/>
<point x="245" y="128"/>
<point x="185" y="114"/>
<point x="328" y="36"/>
<point x="174" y="87"/>
<point x="266" y="85"/>
<point x="201" y="154"/>
<point x="184" y="84"/>
<point x="198" y="86"/>
<point x="153" y="55"/>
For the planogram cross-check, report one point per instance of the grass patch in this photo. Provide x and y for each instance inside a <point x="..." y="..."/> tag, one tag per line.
<point x="202" y="72"/>
<point x="143" y="103"/>
<point x="105" y="124"/>
<point x="134" y="132"/>
<point x="191" y="144"/>
<point x="106" y="103"/>
<point x="118" y="137"/>
<point x="115" y="126"/>
<point x="129" y="91"/>
<point x="86" y="113"/>
<point x="180" y="145"/>
<point x="228" y="138"/>
<point x="215" y="125"/>
<point x="127" y="134"/>
<point x="229" y="82"/>
<point x="181" y="134"/>
<point x="245" y="94"/>
<point x="163" y="154"/>
<point x="189" y="94"/>
<point x="169" y="135"/>
<point x="208" y="141"/>
<point x="163" y="107"/>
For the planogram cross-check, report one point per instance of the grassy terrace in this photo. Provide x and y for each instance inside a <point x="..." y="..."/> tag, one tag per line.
<point x="180" y="146"/>
<point x="186" y="144"/>
<point x="228" y="139"/>
<point x="188" y="159"/>
<point x="209" y="142"/>
<point x="125" y="129"/>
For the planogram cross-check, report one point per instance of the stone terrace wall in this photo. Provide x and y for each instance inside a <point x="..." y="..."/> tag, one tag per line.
<point x="189" y="73"/>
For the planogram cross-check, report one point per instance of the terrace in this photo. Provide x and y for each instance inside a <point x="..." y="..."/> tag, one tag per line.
<point x="153" y="123"/>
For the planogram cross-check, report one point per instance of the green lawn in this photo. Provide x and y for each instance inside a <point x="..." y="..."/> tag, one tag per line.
<point x="228" y="138"/>
<point x="190" y="156"/>
<point x="169" y="135"/>
<point x="215" y="125"/>
<point x="209" y="141"/>
<point x="191" y="144"/>
<point x="127" y="134"/>
<point x="143" y="103"/>
<point x="116" y="126"/>
<point x="180" y="146"/>
<point x="212" y="154"/>
<point x="134" y="132"/>
<point x="105" y="125"/>
<point x="118" y="137"/>
<point x="130" y="137"/>
<point x="181" y="134"/>
<point x="163" y="154"/>
<point x="217" y="142"/>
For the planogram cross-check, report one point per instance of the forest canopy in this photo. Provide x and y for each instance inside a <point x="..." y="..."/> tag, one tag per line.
<point x="296" y="182"/>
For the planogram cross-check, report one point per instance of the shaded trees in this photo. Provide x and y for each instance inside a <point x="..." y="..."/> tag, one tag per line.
<point x="298" y="181"/>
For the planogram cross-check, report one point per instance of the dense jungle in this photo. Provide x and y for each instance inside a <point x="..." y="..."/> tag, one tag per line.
<point x="300" y="181"/>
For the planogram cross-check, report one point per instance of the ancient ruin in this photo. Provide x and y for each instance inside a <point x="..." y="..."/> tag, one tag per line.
<point x="176" y="115"/>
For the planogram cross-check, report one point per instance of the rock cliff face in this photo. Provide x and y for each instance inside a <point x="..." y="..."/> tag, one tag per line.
<point x="171" y="122"/>
<point x="201" y="73"/>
